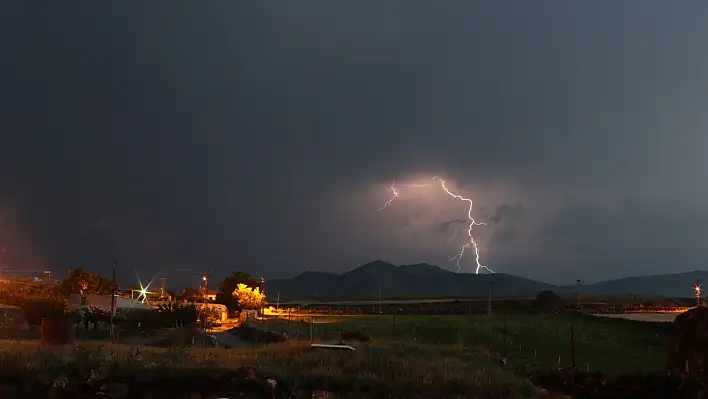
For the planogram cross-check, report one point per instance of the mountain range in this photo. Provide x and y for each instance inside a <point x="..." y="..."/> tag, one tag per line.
<point x="422" y="280"/>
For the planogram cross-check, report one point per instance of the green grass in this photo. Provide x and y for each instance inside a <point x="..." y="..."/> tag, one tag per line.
<point x="391" y="370"/>
<point x="533" y="341"/>
<point x="439" y="355"/>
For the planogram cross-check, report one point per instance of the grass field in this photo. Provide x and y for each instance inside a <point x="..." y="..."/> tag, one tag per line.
<point x="390" y="370"/>
<point x="439" y="355"/>
<point x="532" y="341"/>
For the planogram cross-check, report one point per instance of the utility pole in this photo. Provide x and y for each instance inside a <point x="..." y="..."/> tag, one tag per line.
<point x="277" y="302"/>
<point x="577" y="297"/>
<point x="113" y="299"/>
<point x="163" y="281"/>
<point x="205" y="279"/>
<point x="489" y="298"/>
<point x="572" y="345"/>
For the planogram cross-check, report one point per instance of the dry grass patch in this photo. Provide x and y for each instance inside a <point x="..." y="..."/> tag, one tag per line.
<point x="378" y="368"/>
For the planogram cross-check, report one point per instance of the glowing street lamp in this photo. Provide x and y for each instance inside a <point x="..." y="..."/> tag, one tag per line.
<point x="143" y="293"/>
<point x="698" y="290"/>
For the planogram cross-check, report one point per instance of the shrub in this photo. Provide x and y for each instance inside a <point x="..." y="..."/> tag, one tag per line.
<point x="36" y="309"/>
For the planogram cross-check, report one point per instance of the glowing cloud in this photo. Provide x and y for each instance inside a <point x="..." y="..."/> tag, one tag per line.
<point x="472" y="222"/>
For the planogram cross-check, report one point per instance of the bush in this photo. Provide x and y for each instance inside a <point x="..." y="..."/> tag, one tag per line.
<point x="548" y="301"/>
<point x="36" y="309"/>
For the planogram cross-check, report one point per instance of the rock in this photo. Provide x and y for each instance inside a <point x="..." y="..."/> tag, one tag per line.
<point x="97" y="378"/>
<point x="246" y="373"/>
<point x="61" y="381"/>
<point x="270" y="383"/>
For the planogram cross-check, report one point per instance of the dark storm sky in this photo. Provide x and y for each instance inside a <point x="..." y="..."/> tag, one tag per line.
<point x="262" y="136"/>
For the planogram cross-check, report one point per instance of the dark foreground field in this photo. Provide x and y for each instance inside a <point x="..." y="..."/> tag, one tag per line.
<point x="379" y="371"/>
<point x="419" y="356"/>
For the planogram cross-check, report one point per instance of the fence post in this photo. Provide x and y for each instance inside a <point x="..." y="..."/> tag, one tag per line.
<point x="311" y="318"/>
<point x="393" y="332"/>
<point x="572" y="345"/>
<point x="504" y="358"/>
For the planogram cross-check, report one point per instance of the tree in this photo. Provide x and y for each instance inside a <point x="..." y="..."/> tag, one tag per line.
<point x="228" y="285"/>
<point x="249" y="298"/>
<point x="81" y="281"/>
<point x="37" y="299"/>
<point x="548" y="301"/>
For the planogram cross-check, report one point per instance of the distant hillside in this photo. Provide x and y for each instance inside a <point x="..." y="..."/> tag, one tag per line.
<point x="407" y="281"/>
<point x="676" y="285"/>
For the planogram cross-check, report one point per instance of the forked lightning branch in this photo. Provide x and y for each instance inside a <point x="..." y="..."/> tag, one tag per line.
<point x="472" y="222"/>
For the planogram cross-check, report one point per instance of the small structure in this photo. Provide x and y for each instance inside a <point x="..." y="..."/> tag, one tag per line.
<point x="56" y="331"/>
<point x="333" y="346"/>
<point x="11" y="315"/>
<point x="222" y="309"/>
<point x="103" y="302"/>
<point x="688" y="352"/>
<point x="248" y="314"/>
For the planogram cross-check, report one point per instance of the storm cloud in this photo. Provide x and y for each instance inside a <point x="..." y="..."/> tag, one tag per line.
<point x="264" y="136"/>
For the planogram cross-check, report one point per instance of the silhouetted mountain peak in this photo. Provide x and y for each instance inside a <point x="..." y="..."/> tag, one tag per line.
<point x="375" y="267"/>
<point x="406" y="281"/>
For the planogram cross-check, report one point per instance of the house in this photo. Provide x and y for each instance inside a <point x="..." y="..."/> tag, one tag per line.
<point x="103" y="302"/>
<point x="223" y="311"/>
<point x="197" y="295"/>
<point x="11" y="315"/>
<point x="210" y="296"/>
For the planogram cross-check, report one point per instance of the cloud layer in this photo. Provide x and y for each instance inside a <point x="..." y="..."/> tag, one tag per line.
<point x="264" y="136"/>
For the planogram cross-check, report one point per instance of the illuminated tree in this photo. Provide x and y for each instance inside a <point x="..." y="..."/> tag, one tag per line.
<point x="227" y="286"/>
<point x="249" y="298"/>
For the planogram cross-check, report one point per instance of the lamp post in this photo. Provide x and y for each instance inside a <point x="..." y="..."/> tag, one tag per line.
<point x="205" y="279"/>
<point x="698" y="290"/>
<point x="113" y="299"/>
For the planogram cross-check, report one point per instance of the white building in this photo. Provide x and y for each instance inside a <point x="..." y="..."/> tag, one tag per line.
<point x="103" y="302"/>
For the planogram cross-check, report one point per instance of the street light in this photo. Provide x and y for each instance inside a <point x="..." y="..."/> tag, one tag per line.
<point x="698" y="290"/>
<point x="143" y="294"/>
<point x="205" y="279"/>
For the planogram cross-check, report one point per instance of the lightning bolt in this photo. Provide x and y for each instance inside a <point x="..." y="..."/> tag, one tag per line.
<point x="394" y="193"/>
<point x="472" y="223"/>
